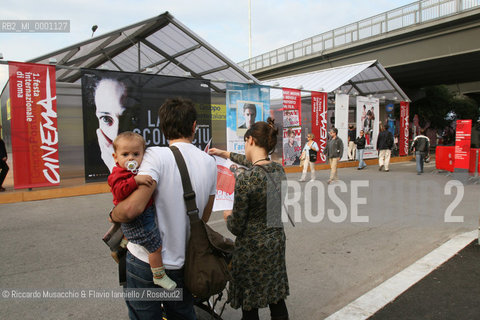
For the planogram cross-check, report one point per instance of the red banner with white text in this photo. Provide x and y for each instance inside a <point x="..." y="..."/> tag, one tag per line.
<point x="34" y="125"/>
<point x="404" y="128"/>
<point x="292" y="108"/>
<point x="319" y="122"/>
<point x="462" y="144"/>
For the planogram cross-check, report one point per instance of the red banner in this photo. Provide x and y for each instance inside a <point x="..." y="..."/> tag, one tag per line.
<point x="34" y="125"/>
<point x="462" y="144"/>
<point x="474" y="160"/>
<point x="404" y="128"/>
<point x="445" y="158"/>
<point x="319" y="122"/>
<point x="292" y="108"/>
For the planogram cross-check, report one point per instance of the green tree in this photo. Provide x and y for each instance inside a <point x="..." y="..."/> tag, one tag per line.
<point x="438" y="102"/>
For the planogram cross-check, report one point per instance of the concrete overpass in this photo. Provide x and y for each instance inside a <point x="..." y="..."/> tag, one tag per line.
<point x="425" y="43"/>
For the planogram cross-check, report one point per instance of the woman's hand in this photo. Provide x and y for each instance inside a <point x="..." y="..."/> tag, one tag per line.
<point x="220" y="153"/>
<point x="227" y="213"/>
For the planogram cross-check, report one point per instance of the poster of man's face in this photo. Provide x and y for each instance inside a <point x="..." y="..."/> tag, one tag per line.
<point x="247" y="114"/>
<point x="114" y="102"/>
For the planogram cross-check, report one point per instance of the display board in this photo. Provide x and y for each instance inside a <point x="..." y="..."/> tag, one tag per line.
<point x="115" y="102"/>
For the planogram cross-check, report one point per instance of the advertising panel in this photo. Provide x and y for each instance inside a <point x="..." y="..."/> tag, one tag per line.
<point x="292" y="108"/>
<point x="462" y="144"/>
<point x="246" y="104"/>
<point x="404" y="128"/>
<point x="341" y="120"/>
<point x="292" y="132"/>
<point x="367" y="120"/>
<point x="114" y="102"/>
<point x="34" y="125"/>
<point x="319" y="123"/>
<point x="292" y="146"/>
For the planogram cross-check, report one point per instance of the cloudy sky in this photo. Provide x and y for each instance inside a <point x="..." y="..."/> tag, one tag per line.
<point x="222" y="23"/>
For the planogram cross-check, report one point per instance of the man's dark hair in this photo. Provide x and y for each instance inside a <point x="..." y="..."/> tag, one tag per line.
<point x="250" y="106"/>
<point x="334" y="130"/>
<point x="177" y="117"/>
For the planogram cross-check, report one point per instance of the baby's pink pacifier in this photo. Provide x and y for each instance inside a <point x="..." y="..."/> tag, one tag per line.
<point x="132" y="166"/>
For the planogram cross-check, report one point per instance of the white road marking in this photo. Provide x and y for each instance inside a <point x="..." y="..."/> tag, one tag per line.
<point x="374" y="300"/>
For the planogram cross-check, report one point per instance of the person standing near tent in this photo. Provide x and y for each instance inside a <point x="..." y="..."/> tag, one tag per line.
<point x="360" y="142"/>
<point x="421" y="146"/>
<point x="3" y="163"/>
<point x="384" y="147"/>
<point x="334" y="152"/>
<point x="351" y="142"/>
<point x="310" y="145"/>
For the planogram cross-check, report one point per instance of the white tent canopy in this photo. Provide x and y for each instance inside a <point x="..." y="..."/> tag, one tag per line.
<point x="366" y="78"/>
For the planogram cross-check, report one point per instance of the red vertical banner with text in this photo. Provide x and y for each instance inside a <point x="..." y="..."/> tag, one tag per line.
<point x="34" y="125"/>
<point x="462" y="144"/>
<point x="292" y="108"/>
<point x="319" y="123"/>
<point x="292" y="130"/>
<point x="404" y="128"/>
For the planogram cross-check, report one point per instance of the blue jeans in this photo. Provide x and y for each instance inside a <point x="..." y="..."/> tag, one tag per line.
<point x="420" y="158"/>
<point x="361" y="163"/>
<point x="139" y="275"/>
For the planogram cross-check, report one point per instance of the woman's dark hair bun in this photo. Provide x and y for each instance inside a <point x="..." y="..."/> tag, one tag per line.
<point x="264" y="134"/>
<point x="272" y="136"/>
<point x="271" y="122"/>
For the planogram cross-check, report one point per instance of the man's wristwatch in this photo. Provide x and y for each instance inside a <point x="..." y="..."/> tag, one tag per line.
<point x="110" y="214"/>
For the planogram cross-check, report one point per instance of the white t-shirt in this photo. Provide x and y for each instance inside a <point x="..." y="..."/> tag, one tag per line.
<point x="314" y="146"/>
<point x="173" y="222"/>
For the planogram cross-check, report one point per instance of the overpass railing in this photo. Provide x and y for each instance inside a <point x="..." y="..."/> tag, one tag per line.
<point x="412" y="14"/>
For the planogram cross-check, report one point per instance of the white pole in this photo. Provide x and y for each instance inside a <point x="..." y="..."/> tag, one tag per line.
<point x="250" y="29"/>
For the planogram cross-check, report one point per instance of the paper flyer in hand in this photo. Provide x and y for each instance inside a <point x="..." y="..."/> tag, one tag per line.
<point x="226" y="173"/>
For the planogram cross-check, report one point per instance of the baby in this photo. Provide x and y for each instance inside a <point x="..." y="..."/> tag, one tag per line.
<point x="129" y="148"/>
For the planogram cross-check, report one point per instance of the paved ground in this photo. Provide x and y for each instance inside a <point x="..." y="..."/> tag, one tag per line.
<point x="450" y="292"/>
<point x="56" y="244"/>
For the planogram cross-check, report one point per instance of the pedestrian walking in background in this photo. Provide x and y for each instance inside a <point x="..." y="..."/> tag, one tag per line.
<point x="310" y="145"/>
<point x="351" y="142"/>
<point x="360" y="142"/>
<point x="384" y="147"/>
<point x="3" y="163"/>
<point x="334" y="152"/>
<point x="421" y="145"/>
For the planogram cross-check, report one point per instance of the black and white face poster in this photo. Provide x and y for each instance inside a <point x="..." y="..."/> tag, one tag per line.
<point x="114" y="102"/>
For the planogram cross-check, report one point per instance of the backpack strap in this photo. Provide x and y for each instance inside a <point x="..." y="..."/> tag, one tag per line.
<point x="188" y="193"/>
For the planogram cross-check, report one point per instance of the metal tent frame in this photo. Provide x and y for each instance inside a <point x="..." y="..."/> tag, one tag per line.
<point x="366" y="78"/>
<point x="161" y="45"/>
